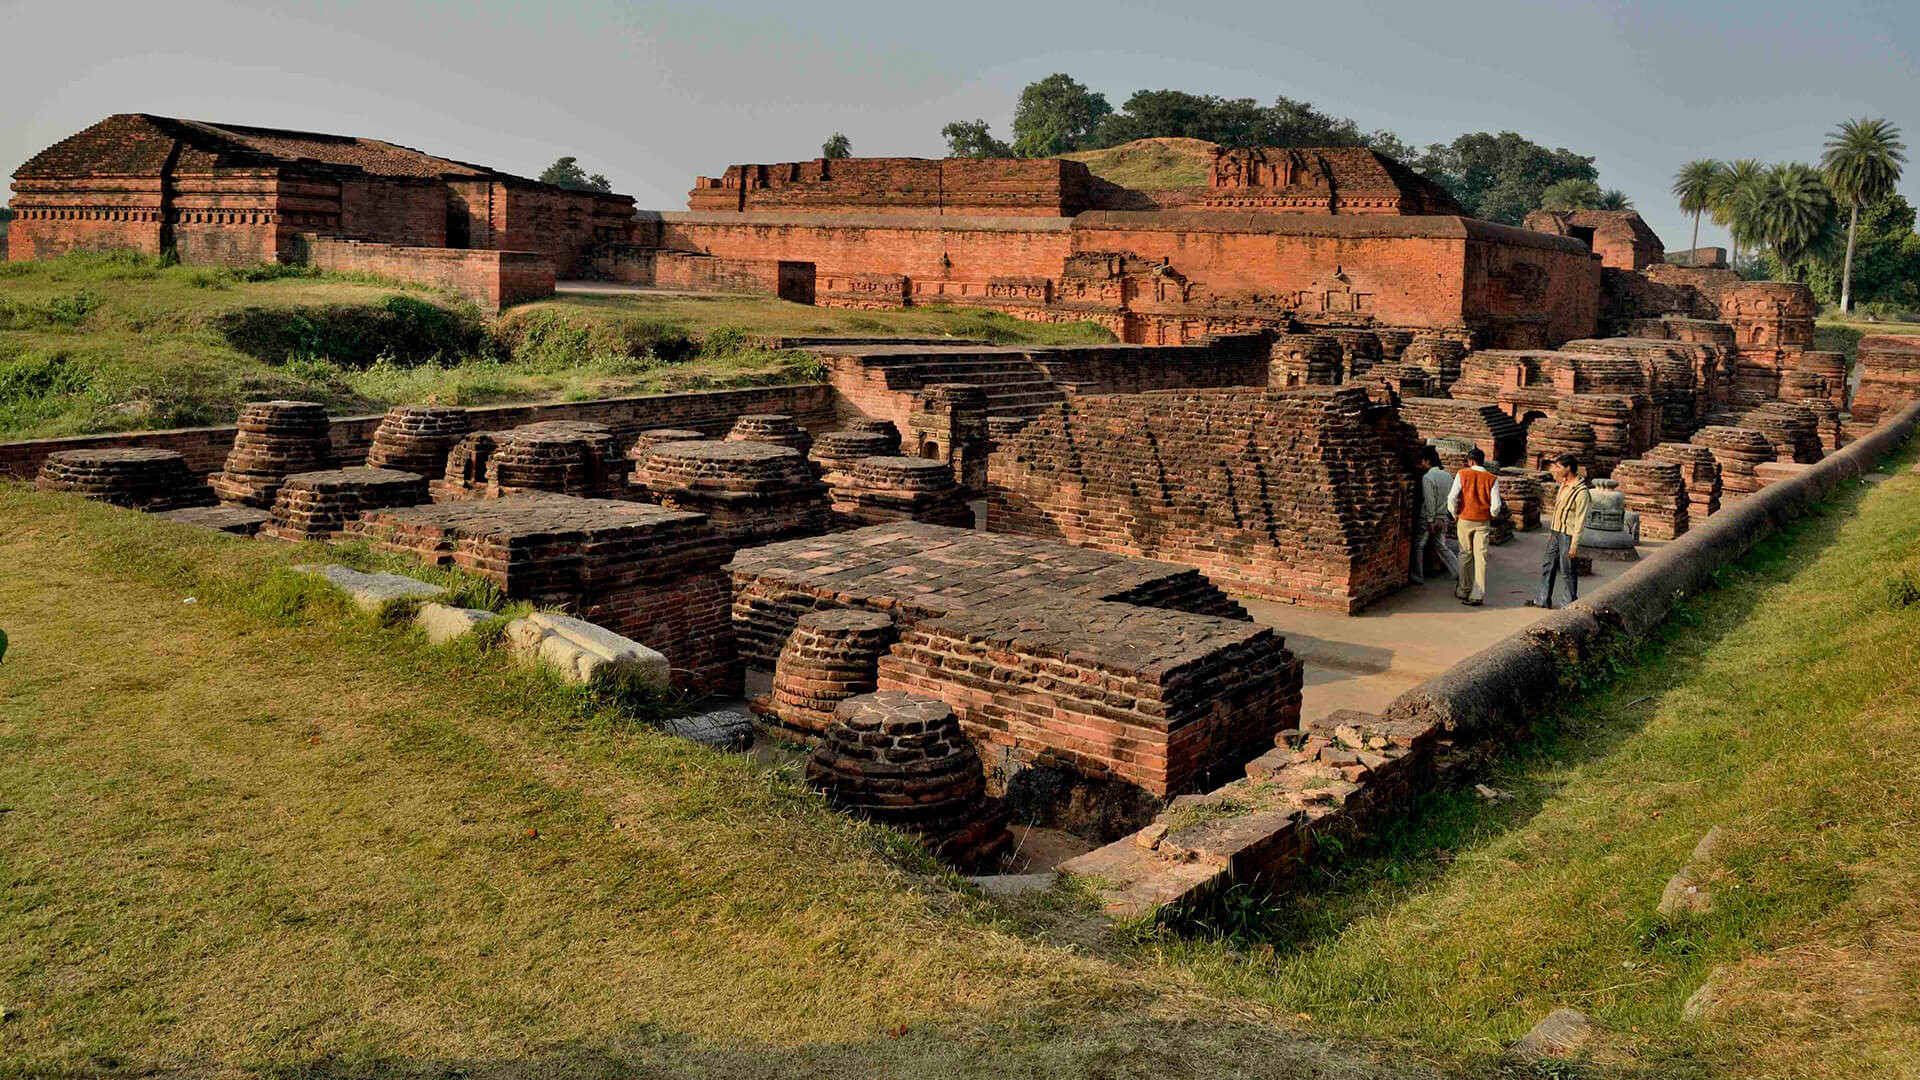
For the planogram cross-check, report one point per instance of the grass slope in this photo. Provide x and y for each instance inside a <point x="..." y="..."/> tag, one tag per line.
<point x="1150" y="164"/>
<point x="112" y="343"/>
<point x="261" y="834"/>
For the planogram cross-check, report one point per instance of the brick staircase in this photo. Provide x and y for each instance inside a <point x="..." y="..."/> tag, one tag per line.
<point x="1015" y="384"/>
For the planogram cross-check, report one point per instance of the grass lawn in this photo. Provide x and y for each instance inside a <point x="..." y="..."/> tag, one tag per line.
<point x="112" y="343"/>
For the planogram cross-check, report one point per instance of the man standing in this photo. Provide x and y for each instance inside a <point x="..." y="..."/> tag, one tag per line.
<point x="1563" y="539"/>
<point x="1474" y="499"/>
<point x="1435" y="483"/>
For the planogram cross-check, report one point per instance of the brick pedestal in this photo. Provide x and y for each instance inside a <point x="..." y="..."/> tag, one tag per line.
<point x="751" y="492"/>
<point x="1738" y="451"/>
<point x="776" y="428"/>
<point x="418" y="438"/>
<point x="320" y="505"/>
<point x="275" y="440"/>
<point x="1655" y="491"/>
<point x="152" y="480"/>
<point x="1699" y="471"/>
<point x="875" y="490"/>
<point x="830" y="656"/>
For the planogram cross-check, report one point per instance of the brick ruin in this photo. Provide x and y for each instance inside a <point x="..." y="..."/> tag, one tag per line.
<point x="1889" y="375"/>
<point x="153" y="480"/>
<point x="1302" y="495"/>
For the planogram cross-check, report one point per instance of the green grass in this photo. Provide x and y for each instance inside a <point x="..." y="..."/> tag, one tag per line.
<point x="1833" y="333"/>
<point x="98" y="343"/>
<point x="1150" y="164"/>
<point x="1784" y="707"/>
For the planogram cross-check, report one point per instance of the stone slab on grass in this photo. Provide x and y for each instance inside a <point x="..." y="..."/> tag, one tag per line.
<point x="1561" y="1034"/>
<point x="1010" y="885"/>
<point x="371" y="592"/>
<point x="727" y="727"/>
<point x="236" y="520"/>
<point x="443" y="623"/>
<point x="582" y="652"/>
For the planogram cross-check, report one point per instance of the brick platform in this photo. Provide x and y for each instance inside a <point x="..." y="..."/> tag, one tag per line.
<point x="1551" y="436"/>
<point x="151" y="480"/>
<point x="646" y="572"/>
<point x="1299" y="496"/>
<point x="320" y="505"/>
<point x="1656" y="491"/>
<point x="751" y="492"/>
<point x="1480" y="423"/>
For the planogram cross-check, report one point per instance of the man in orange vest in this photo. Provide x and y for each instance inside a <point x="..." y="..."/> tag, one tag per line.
<point x="1474" y="500"/>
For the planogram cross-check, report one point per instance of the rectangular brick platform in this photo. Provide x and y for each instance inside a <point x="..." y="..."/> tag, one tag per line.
<point x="1110" y="667"/>
<point x="652" y="574"/>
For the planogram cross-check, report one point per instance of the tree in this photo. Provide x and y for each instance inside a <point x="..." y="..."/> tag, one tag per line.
<point x="973" y="139"/>
<point x="1054" y="115"/>
<point x="1885" y="270"/>
<point x="1500" y="177"/>
<point x="567" y="173"/>
<point x="1615" y="199"/>
<point x="1797" y="209"/>
<point x="1861" y="165"/>
<point x="1571" y="195"/>
<point x="1737" y="193"/>
<point x="838" y="146"/>
<point x="1693" y="186"/>
<point x="1163" y="114"/>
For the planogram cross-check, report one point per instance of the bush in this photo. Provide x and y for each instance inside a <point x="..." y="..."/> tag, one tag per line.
<point x="66" y="312"/>
<point x="403" y="330"/>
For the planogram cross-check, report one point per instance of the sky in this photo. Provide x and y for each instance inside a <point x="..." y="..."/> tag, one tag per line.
<point x="652" y="95"/>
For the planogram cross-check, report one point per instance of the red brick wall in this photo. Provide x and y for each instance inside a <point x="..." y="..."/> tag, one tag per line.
<point x="394" y="212"/>
<point x="712" y="411"/>
<point x="910" y="245"/>
<point x="493" y="279"/>
<point x="1045" y="187"/>
<point x="100" y="214"/>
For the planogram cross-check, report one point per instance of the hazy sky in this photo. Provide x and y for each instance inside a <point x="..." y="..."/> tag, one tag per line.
<point x="655" y="94"/>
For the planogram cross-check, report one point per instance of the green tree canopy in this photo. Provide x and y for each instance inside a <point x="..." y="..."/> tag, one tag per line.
<point x="973" y="139"/>
<point x="837" y="146"/>
<point x="1797" y="210"/>
<point x="567" y="173"/>
<point x="1162" y="114"/>
<point x="1693" y="185"/>
<point x="1571" y="195"/>
<point x="1055" y="115"/>
<point x="1501" y="177"/>
<point x="1861" y="165"/>
<point x="1886" y="263"/>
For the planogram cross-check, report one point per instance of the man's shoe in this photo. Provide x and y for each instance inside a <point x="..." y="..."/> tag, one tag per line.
<point x="1474" y="603"/>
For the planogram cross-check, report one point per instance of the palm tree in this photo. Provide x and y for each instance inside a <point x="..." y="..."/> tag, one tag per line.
<point x="1614" y="199"/>
<point x="1862" y="164"/>
<point x="1570" y="195"/>
<point x="1693" y="185"/>
<point x="1736" y="194"/>
<point x="1797" y="208"/>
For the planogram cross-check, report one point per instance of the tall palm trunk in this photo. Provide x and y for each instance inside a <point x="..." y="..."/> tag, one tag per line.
<point x="1846" y="272"/>
<point x="1693" y="257"/>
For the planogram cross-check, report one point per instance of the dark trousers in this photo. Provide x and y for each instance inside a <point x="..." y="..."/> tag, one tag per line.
<point x="1556" y="563"/>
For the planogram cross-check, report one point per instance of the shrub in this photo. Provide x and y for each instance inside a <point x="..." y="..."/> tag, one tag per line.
<point x="67" y="311"/>
<point x="404" y="330"/>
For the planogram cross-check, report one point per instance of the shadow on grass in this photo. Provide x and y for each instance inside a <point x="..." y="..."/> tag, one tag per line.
<point x="1343" y="883"/>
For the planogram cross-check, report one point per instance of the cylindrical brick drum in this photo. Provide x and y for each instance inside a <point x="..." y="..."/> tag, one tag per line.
<point x="776" y="428"/>
<point x="830" y="657"/>
<point x="417" y="438"/>
<point x="144" y="479"/>
<point x="276" y="439"/>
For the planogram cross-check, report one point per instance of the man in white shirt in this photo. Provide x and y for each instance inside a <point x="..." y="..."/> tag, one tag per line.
<point x="1430" y="530"/>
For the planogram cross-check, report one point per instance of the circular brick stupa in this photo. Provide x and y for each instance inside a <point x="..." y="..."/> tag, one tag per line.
<point x="154" y="480"/>
<point x="886" y="429"/>
<point x="1657" y="492"/>
<point x="418" y="438"/>
<point x="1551" y="436"/>
<point x="830" y="656"/>
<point x="836" y="450"/>
<point x="877" y="490"/>
<point x="752" y="492"/>
<point x="901" y="760"/>
<point x="1738" y="451"/>
<point x="565" y="457"/>
<point x="276" y="440"/>
<point x="776" y="428"/>
<point x="320" y="505"/>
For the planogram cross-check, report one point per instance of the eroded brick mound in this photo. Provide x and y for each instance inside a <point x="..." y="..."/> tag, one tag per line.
<point x="1520" y="489"/>
<point x="1699" y="470"/>
<point x="562" y="457"/>
<point x="1453" y="453"/>
<point x="418" y="438"/>
<point x="275" y="440"/>
<point x="830" y="656"/>
<point x="1832" y="369"/>
<point x="751" y="491"/>
<point x="1479" y="423"/>
<point x="1794" y="430"/>
<point x="643" y="571"/>
<point x="776" y="428"/>
<point x="875" y="490"/>
<point x="835" y="450"/>
<point x="1655" y="491"/>
<point x="1440" y="355"/>
<point x="1551" y="436"/>
<point x="1400" y="380"/>
<point x="152" y="480"/>
<point x="1738" y="451"/>
<point x="900" y="760"/>
<point x="1611" y="418"/>
<point x="1289" y="495"/>
<point x="652" y="437"/>
<point x="320" y="505"/>
<point x="1305" y="360"/>
<point x="886" y="429"/>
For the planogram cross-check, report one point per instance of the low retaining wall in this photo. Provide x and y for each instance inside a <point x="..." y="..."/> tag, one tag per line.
<point x="1341" y="776"/>
<point x="710" y="411"/>
<point x="492" y="279"/>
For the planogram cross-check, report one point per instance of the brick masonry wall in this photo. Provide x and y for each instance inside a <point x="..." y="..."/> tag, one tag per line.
<point x="492" y="279"/>
<point x="1296" y="495"/>
<point x="911" y="245"/>
<point x="712" y="411"/>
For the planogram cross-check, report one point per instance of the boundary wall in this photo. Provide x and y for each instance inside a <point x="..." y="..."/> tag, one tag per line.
<point x="711" y="411"/>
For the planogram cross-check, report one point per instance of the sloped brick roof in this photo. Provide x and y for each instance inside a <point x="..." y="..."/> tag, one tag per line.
<point x="136" y="144"/>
